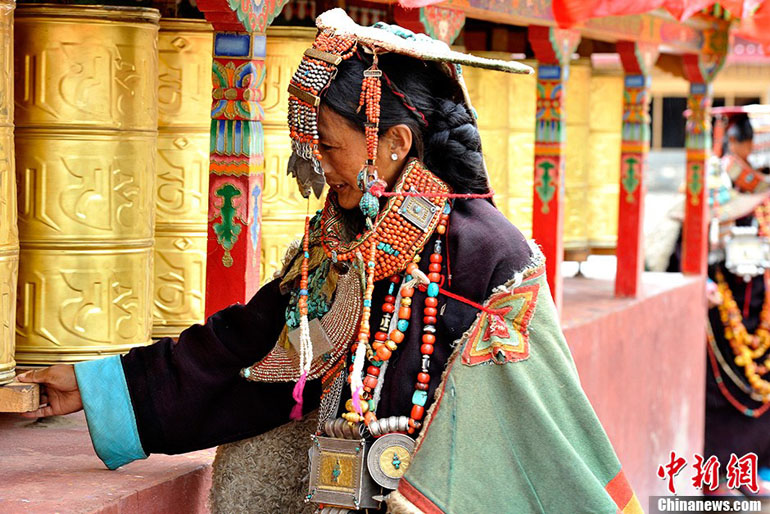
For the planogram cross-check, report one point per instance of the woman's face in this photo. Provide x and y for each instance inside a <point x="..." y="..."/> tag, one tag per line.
<point x="343" y="152"/>
<point x="742" y="149"/>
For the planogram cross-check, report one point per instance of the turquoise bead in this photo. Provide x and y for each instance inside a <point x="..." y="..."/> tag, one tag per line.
<point x="403" y="325"/>
<point x="433" y="289"/>
<point x="419" y="398"/>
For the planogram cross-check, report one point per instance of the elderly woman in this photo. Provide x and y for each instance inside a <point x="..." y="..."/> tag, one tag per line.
<point x="411" y="309"/>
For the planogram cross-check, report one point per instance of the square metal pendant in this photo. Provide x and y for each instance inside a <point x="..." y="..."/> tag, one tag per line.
<point x="418" y="211"/>
<point x="338" y="474"/>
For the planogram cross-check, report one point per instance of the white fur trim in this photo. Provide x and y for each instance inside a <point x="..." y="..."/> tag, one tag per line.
<point x="423" y="47"/>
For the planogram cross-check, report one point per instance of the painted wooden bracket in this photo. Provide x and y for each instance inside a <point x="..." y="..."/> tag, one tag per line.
<point x="437" y="22"/>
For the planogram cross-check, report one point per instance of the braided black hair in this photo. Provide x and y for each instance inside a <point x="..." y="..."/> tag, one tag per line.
<point x="740" y="130"/>
<point x="423" y="97"/>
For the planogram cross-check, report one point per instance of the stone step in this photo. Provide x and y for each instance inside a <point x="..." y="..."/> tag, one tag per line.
<point x="49" y="466"/>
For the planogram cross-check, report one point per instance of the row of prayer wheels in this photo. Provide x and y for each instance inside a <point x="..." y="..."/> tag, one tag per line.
<point x="9" y="236"/>
<point x="112" y="138"/>
<point x="505" y="105"/>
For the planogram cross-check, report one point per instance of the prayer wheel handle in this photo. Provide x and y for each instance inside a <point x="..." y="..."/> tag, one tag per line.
<point x="59" y="393"/>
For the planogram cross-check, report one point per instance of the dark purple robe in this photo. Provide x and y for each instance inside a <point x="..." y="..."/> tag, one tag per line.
<point x="189" y="395"/>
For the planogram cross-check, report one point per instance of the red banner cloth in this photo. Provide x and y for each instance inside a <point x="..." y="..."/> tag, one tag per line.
<point x="571" y="12"/>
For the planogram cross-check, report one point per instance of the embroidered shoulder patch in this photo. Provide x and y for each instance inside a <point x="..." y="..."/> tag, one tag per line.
<point x="502" y="336"/>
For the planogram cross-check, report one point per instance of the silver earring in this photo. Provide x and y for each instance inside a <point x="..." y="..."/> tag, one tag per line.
<point x="394" y="156"/>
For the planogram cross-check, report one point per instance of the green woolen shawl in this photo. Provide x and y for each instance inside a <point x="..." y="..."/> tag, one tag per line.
<point x="511" y="429"/>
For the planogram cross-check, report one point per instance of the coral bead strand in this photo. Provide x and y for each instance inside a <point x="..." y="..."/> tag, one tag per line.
<point x="430" y="313"/>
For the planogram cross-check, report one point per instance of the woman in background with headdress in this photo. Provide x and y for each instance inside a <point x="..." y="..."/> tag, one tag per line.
<point x="737" y="391"/>
<point x="739" y="145"/>
<point x="410" y="309"/>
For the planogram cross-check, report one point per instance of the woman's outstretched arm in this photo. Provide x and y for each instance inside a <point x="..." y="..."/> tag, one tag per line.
<point x="175" y="397"/>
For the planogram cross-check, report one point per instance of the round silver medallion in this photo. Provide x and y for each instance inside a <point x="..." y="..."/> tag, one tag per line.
<point x="388" y="459"/>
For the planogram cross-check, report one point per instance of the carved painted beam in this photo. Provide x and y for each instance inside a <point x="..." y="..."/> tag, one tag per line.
<point x="236" y="165"/>
<point x="700" y="70"/>
<point x="553" y="49"/>
<point x="637" y="60"/>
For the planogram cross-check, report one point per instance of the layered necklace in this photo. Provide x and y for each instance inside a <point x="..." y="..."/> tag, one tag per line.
<point x="748" y="348"/>
<point x="390" y="250"/>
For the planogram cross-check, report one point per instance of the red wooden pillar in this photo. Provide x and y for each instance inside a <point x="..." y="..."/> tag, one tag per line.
<point x="438" y="22"/>
<point x="700" y="70"/>
<point x="698" y="144"/>
<point x="553" y="48"/>
<point x="236" y="165"/>
<point x="637" y="60"/>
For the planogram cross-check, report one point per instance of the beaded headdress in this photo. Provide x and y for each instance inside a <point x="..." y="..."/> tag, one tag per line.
<point x="338" y="39"/>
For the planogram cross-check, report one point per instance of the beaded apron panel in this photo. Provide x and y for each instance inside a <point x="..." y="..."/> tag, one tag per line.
<point x="340" y="325"/>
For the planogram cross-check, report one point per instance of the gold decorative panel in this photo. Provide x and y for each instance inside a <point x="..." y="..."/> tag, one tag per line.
<point x="82" y="304"/>
<point x="86" y="66"/>
<point x="9" y="267"/>
<point x="184" y="73"/>
<point x="180" y="281"/>
<point x="6" y="62"/>
<point x="277" y="235"/>
<point x="521" y="149"/>
<point x="283" y="208"/>
<point x="604" y="188"/>
<point x="9" y="234"/>
<point x="182" y="179"/>
<point x="505" y="105"/>
<point x="575" y="172"/>
<point x="86" y="99"/>
<point x="605" y="125"/>
<point x="285" y="46"/>
<point x="76" y="186"/>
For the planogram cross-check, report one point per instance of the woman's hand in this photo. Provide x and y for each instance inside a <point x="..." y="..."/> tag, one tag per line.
<point x="59" y="393"/>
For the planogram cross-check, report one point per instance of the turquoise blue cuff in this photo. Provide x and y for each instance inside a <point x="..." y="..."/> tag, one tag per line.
<point x="109" y="412"/>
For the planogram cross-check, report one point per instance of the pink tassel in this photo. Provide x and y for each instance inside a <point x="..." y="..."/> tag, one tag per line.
<point x="299" y="388"/>
<point x="357" y="401"/>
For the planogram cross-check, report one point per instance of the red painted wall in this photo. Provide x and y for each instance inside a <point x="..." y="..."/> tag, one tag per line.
<point x="642" y="363"/>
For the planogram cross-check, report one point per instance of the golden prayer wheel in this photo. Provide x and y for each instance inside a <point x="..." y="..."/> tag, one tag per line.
<point x="576" y="155"/>
<point x="86" y="116"/>
<point x="505" y="105"/>
<point x="283" y="208"/>
<point x="182" y="176"/>
<point x="605" y="132"/>
<point x="9" y="235"/>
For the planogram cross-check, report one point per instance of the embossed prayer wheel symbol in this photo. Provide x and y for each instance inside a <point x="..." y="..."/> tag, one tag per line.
<point x="604" y="138"/>
<point x="86" y="116"/>
<point x="576" y="157"/>
<point x="9" y="236"/>
<point x="283" y="208"/>
<point x="184" y="119"/>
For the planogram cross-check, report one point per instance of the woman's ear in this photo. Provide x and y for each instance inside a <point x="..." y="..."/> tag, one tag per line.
<point x="392" y="152"/>
<point x="398" y="141"/>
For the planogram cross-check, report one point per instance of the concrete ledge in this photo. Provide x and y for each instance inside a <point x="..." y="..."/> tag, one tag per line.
<point x="50" y="466"/>
<point x="642" y="363"/>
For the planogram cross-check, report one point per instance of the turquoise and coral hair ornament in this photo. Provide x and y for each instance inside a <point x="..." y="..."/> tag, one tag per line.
<point x="338" y="39"/>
